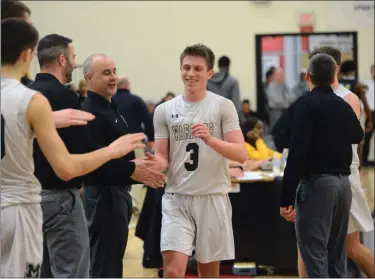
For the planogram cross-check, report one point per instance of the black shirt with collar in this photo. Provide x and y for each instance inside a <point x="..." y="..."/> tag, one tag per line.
<point x="107" y="126"/>
<point x="76" y="139"/>
<point x="323" y="130"/>
<point x="135" y="111"/>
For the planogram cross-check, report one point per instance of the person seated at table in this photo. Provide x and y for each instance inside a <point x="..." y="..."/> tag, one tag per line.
<point x="253" y="132"/>
<point x="249" y="165"/>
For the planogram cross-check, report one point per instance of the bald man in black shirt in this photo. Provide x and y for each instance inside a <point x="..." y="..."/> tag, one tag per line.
<point x="324" y="128"/>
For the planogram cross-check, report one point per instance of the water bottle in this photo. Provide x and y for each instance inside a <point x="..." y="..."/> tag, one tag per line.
<point x="276" y="165"/>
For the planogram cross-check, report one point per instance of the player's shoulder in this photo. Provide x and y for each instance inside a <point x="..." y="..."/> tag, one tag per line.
<point x="10" y="86"/>
<point x="213" y="97"/>
<point x="224" y="103"/>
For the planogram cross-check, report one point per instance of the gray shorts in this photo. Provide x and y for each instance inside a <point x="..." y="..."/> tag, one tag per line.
<point x="200" y="223"/>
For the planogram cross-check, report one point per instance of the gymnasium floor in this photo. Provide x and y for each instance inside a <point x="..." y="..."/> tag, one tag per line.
<point x="134" y="251"/>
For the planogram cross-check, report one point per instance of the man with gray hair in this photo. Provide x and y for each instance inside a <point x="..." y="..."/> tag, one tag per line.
<point x="324" y="129"/>
<point x="65" y="234"/>
<point x="107" y="202"/>
<point x="279" y="97"/>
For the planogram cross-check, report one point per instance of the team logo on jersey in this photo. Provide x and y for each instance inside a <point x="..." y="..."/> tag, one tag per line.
<point x="183" y="132"/>
<point x="32" y="270"/>
<point x="174" y="115"/>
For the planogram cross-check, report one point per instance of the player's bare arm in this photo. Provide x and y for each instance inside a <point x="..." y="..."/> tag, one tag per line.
<point x="159" y="161"/>
<point x="65" y="165"/>
<point x="353" y="101"/>
<point x="233" y="146"/>
<point x="71" y="117"/>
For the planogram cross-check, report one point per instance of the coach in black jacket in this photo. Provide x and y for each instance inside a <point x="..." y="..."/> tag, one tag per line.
<point x="323" y="131"/>
<point x="108" y="204"/>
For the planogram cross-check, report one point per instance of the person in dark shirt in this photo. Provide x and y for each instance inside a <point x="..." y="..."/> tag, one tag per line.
<point x="107" y="203"/>
<point x="323" y="131"/>
<point x="66" y="239"/>
<point x="134" y="110"/>
<point x="246" y="111"/>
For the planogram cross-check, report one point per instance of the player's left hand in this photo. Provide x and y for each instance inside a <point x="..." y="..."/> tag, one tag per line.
<point x="288" y="213"/>
<point x="200" y="131"/>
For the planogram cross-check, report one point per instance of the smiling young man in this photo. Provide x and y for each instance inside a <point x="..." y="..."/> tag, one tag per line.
<point x="196" y="134"/>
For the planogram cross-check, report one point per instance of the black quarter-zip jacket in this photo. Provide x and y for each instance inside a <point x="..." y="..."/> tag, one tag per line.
<point x="78" y="140"/>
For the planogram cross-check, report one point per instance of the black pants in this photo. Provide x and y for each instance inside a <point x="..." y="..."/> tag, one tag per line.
<point x="366" y="146"/>
<point x="108" y="211"/>
<point x="322" y="216"/>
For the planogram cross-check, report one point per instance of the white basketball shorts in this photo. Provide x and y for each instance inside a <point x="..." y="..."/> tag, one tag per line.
<point x="21" y="241"/>
<point x="203" y="223"/>
<point x="360" y="219"/>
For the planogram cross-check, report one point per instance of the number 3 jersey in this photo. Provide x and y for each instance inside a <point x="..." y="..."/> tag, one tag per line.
<point x="194" y="167"/>
<point x="18" y="183"/>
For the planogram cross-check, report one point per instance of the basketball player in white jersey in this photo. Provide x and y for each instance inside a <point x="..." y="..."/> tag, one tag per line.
<point x="360" y="219"/>
<point x="196" y="134"/>
<point x="25" y="114"/>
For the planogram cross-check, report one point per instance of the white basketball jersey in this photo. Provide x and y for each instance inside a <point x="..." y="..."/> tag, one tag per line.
<point x="194" y="167"/>
<point x="18" y="183"/>
<point x="342" y="92"/>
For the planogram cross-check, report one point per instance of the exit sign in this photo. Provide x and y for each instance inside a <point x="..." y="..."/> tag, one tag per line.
<point x="306" y="18"/>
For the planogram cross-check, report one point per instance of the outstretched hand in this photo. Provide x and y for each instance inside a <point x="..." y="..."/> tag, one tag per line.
<point x="71" y="117"/>
<point x="126" y="144"/>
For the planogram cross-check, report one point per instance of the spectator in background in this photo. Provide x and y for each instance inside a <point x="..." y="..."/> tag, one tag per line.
<point x="253" y="132"/>
<point x="167" y="97"/>
<point x="263" y="108"/>
<point x="301" y="87"/>
<point x="370" y="99"/>
<point x="134" y="110"/>
<point x="150" y="107"/>
<point x="223" y="84"/>
<point x="246" y="111"/>
<point x="270" y="75"/>
<point x="279" y="97"/>
<point x="82" y="91"/>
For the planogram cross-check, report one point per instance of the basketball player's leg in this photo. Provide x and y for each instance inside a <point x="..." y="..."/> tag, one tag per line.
<point x="22" y="241"/>
<point x="177" y="235"/>
<point x="357" y="252"/>
<point x="301" y="266"/>
<point x="215" y="241"/>
<point x="359" y="218"/>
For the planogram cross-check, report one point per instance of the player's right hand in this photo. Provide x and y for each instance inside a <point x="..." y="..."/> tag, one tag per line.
<point x="71" y="117"/>
<point x="126" y="144"/>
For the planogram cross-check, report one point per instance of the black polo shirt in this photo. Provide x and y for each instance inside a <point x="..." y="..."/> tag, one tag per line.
<point x="107" y="126"/>
<point x="323" y="130"/>
<point x="76" y="139"/>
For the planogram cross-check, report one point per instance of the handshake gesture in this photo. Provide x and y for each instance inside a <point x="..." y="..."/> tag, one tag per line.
<point x="143" y="173"/>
